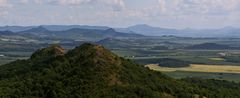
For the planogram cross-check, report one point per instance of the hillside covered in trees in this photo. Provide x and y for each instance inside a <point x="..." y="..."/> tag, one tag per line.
<point x="91" y="71"/>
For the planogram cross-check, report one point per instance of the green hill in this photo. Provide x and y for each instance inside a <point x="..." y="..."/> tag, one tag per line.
<point x="91" y="71"/>
<point x="74" y="33"/>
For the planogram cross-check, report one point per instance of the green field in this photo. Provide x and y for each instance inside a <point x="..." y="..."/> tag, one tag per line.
<point x="143" y="51"/>
<point x="205" y="75"/>
<point x="13" y="56"/>
<point x="223" y="72"/>
<point x="194" y="56"/>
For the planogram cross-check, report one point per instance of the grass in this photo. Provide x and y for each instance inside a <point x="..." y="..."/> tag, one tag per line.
<point x="13" y="56"/>
<point x="199" y="68"/>
<point x="205" y="75"/>
<point x="217" y="59"/>
<point x="222" y="72"/>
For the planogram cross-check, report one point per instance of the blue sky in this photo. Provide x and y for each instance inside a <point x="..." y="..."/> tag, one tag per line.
<point x="122" y="13"/>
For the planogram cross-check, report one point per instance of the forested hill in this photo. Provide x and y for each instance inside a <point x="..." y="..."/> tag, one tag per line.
<point x="91" y="71"/>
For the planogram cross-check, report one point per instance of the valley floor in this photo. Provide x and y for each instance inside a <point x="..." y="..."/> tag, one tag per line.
<point x="223" y="72"/>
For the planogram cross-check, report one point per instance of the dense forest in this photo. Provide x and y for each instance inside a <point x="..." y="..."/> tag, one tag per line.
<point x="91" y="71"/>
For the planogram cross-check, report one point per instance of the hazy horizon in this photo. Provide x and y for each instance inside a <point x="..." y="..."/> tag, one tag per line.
<point x="178" y="14"/>
<point x="119" y="26"/>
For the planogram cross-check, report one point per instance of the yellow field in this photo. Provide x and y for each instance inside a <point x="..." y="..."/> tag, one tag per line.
<point x="198" y="68"/>
<point x="217" y="59"/>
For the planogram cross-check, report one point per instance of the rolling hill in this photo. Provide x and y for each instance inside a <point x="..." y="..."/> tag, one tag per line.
<point x="2" y="33"/>
<point x="75" y="33"/>
<point x="51" y="27"/>
<point x="148" y="30"/>
<point x="144" y="29"/>
<point x="92" y="71"/>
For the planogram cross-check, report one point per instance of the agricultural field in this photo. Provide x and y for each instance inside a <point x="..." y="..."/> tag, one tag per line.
<point x="198" y="68"/>
<point x="6" y="57"/>
<point x="152" y="50"/>
<point x="227" y="72"/>
<point x="194" y="56"/>
<point x="205" y="75"/>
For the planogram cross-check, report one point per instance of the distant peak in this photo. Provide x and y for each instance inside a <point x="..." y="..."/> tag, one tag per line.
<point x="142" y="25"/>
<point x="228" y="27"/>
<point x="39" y="29"/>
<point x="110" y="30"/>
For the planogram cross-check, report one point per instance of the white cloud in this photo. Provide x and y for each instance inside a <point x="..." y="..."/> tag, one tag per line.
<point x="171" y="13"/>
<point x="162" y="4"/>
<point x="199" y="6"/>
<point x="68" y="2"/>
<point x="24" y="1"/>
<point x="116" y="5"/>
<point x="4" y="3"/>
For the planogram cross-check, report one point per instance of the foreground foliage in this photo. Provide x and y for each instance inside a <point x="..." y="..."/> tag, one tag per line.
<point x="92" y="71"/>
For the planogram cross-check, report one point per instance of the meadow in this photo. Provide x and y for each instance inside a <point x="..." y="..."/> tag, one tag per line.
<point x="198" y="68"/>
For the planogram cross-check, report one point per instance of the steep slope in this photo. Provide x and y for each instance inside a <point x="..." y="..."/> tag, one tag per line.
<point x="91" y="71"/>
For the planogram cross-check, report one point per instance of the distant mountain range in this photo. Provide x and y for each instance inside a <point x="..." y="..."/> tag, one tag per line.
<point x="51" y="27"/>
<point x="148" y="30"/>
<point x="142" y="29"/>
<point x="157" y="31"/>
<point x="66" y="32"/>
